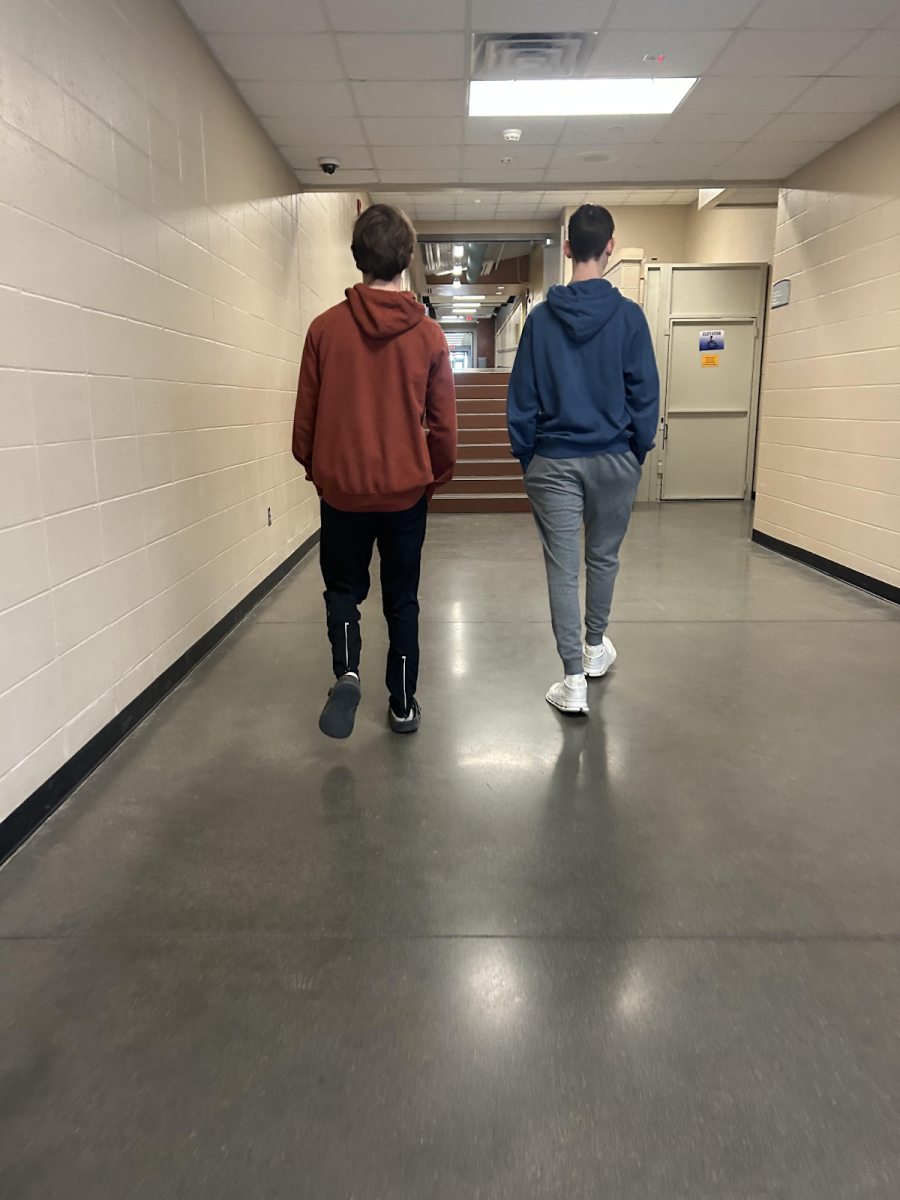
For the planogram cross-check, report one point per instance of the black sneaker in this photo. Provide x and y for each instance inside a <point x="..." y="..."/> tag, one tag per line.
<point x="409" y="723"/>
<point x="340" y="708"/>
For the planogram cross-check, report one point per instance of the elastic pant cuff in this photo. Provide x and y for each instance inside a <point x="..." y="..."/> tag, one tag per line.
<point x="573" y="666"/>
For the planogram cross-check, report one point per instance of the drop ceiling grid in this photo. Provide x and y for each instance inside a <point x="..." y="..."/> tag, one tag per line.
<point x="348" y="68"/>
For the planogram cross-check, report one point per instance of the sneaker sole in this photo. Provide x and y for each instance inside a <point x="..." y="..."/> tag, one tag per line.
<point x="405" y="727"/>
<point x="570" y="712"/>
<point x="339" y="714"/>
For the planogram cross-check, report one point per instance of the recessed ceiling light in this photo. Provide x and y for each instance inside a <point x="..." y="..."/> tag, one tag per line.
<point x="459" y="251"/>
<point x="457" y="269"/>
<point x="575" y="97"/>
<point x="456" y="283"/>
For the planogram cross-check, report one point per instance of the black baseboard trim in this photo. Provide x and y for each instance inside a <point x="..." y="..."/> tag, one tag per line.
<point x="866" y="583"/>
<point x="46" y="799"/>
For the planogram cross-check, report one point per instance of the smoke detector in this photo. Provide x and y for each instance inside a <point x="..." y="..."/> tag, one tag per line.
<point x="512" y="135"/>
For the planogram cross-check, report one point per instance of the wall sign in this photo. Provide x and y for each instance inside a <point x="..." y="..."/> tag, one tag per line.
<point x="709" y="360"/>
<point x="712" y="339"/>
<point x="781" y="293"/>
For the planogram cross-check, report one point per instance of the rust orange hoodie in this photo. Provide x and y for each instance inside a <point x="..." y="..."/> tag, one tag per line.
<point x="375" y="372"/>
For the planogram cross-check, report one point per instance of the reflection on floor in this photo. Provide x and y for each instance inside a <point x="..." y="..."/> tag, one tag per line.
<point x="647" y="955"/>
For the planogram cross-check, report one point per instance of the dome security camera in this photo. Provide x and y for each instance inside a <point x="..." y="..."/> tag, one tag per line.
<point x="329" y="164"/>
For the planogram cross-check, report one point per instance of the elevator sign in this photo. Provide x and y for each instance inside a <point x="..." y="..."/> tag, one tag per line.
<point x="711" y="340"/>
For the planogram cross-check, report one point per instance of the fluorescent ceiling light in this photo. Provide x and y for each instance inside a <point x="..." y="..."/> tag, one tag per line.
<point x="465" y="299"/>
<point x="575" y="97"/>
<point x="459" y="251"/>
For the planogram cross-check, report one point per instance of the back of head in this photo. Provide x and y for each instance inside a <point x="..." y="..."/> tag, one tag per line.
<point x="590" y="230"/>
<point x="383" y="242"/>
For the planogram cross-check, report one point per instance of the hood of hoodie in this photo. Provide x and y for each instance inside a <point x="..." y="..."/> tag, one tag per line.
<point x="583" y="308"/>
<point x="382" y="312"/>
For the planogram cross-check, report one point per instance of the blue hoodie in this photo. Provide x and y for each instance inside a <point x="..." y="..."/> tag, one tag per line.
<point x="584" y="380"/>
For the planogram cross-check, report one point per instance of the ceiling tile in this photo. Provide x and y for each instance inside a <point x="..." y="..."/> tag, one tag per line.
<point x="743" y="95"/>
<point x="314" y="180"/>
<point x="306" y="157"/>
<point x="397" y="131"/>
<point x="771" y="160"/>
<point x="813" y="127"/>
<point x="683" y="160"/>
<point x="650" y="196"/>
<point x="710" y="127"/>
<point x="396" y="16"/>
<point x="430" y="99"/>
<point x="433" y="158"/>
<point x="784" y="52"/>
<point x="536" y="131"/>
<point x="563" y="198"/>
<point x="575" y="154"/>
<point x="821" y="14"/>
<point x="588" y="131"/>
<point x="849" y="95"/>
<point x="622" y="54"/>
<point x="501" y="175"/>
<point x="530" y="16"/>
<point x="586" y="173"/>
<point x="303" y="56"/>
<point x="427" y="176"/>
<point x="395" y="56"/>
<point x="305" y="129"/>
<point x="262" y="16"/>
<point x="687" y="14"/>
<point x="522" y="156"/>
<point x="292" y="98"/>
<point x="878" y="54"/>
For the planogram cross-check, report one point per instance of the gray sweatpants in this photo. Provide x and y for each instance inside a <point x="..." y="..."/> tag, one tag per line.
<point x="599" y="490"/>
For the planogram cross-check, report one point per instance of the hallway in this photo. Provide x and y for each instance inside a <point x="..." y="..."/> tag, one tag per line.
<point x="647" y="955"/>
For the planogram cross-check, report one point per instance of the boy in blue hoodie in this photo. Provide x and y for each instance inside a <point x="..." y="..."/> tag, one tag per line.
<point x="582" y="410"/>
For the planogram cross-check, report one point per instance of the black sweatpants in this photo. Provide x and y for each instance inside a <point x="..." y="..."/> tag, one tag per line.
<point x="345" y="552"/>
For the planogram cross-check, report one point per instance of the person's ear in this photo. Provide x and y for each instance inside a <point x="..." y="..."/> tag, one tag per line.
<point x="567" y="249"/>
<point x="611" y="246"/>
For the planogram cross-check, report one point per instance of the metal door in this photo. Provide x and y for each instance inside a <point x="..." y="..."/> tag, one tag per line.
<point x="709" y="402"/>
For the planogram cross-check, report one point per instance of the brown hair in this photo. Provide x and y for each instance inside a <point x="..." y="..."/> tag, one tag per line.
<point x="383" y="241"/>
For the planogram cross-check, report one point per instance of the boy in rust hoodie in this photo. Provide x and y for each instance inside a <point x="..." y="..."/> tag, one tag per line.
<point x="375" y="428"/>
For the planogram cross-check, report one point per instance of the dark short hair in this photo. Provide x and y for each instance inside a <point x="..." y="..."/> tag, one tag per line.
<point x="590" y="228"/>
<point x="383" y="241"/>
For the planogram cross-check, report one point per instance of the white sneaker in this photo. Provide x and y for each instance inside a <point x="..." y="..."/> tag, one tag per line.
<point x="570" y="696"/>
<point x="598" y="659"/>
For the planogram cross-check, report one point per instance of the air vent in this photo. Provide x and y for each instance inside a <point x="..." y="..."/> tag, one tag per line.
<point x="531" y="55"/>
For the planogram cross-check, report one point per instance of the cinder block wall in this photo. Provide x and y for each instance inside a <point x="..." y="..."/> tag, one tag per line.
<point x="828" y="476"/>
<point x="157" y="275"/>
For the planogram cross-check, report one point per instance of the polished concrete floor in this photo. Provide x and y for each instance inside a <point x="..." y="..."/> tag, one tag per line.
<point x="649" y="955"/>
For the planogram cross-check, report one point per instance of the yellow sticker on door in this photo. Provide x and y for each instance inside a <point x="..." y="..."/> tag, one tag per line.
<point x="709" y="360"/>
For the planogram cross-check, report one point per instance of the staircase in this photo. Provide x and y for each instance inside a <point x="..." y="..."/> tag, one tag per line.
<point x="487" y="477"/>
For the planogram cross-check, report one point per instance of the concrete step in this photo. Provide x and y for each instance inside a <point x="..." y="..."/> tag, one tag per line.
<point x="481" y="420"/>
<point x="487" y="485"/>
<point x="472" y="450"/>
<point x="488" y="466"/>
<point x="479" y="504"/>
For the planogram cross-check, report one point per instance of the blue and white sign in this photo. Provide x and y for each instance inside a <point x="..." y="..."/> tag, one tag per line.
<point x="712" y="339"/>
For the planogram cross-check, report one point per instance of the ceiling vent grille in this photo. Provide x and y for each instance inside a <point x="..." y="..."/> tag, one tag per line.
<point x="531" y="55"/>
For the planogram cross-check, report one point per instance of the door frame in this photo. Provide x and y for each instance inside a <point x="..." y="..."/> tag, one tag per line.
<point x="658" y="301"/>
